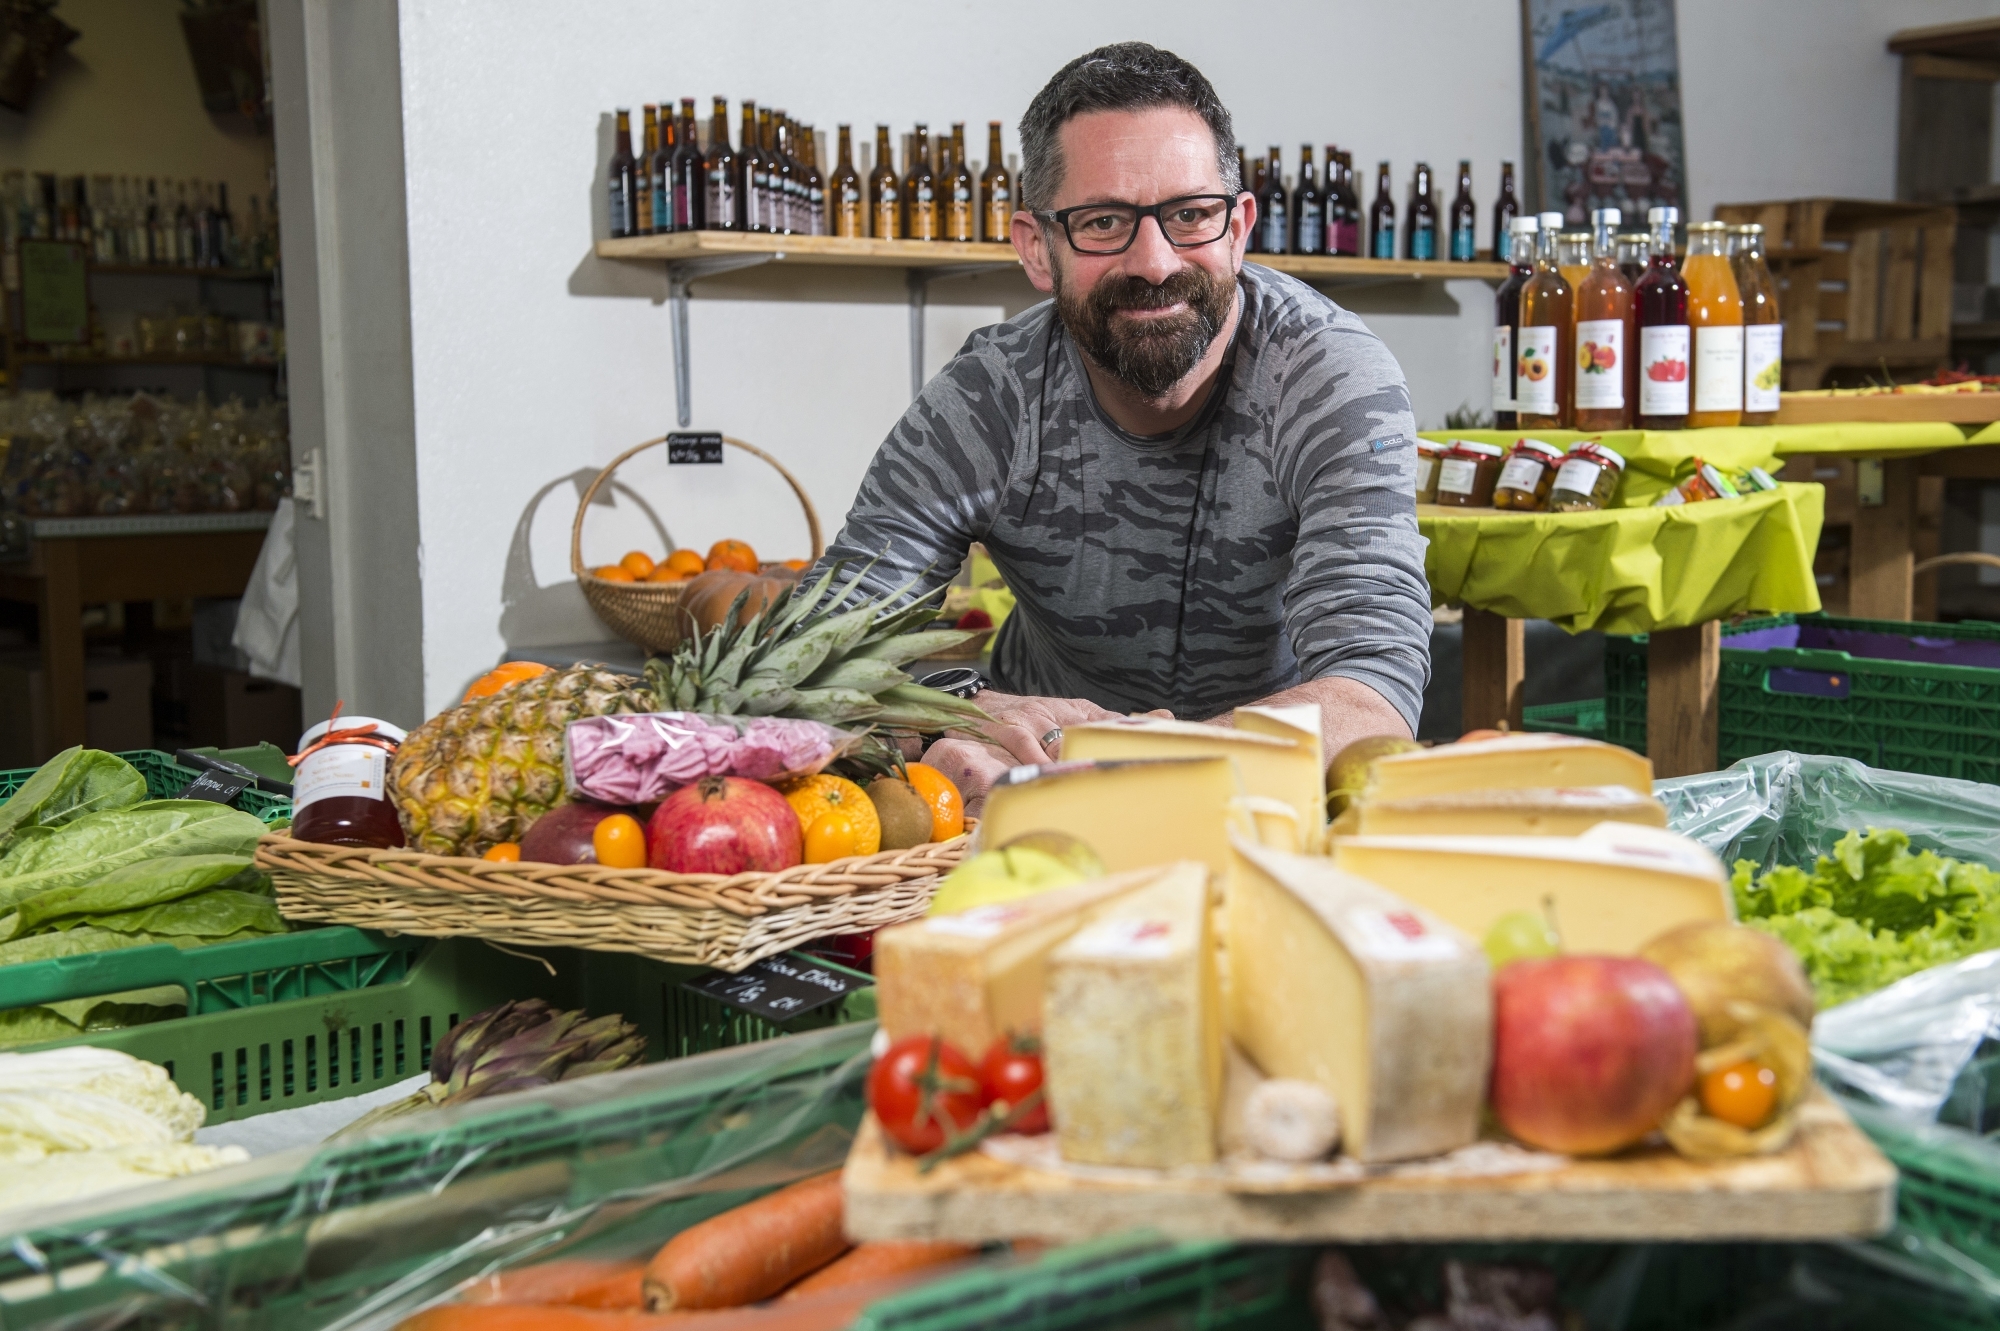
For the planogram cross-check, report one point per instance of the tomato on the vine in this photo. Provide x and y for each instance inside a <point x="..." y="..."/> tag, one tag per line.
<point x="922" y="1091"/>
<point x="1009" y="1074"/>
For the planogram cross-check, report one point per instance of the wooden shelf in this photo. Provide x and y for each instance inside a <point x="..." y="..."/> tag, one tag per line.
<point x="220" y="362"/>
<point x="1955" y="408"/>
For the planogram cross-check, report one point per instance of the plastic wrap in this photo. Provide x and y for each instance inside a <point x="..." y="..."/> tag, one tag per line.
<point x="642" y="758"/>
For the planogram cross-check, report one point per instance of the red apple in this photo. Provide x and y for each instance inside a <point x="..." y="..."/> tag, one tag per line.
<point x="724" y="824"/>
<point x="1589" y="1053"/>
<point x="562" y="835"/>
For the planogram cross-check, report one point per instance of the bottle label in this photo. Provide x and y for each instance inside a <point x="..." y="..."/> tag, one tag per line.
<point x="1663" y="370"/>
<point x="1312" y="229"/>
<point x="1457" y="476"/>
<point x="1463" y="246"/>
<point x="1503" y="367"/>
<point x="1578" y="476"/>
<point x="1385" y="242"/>
<point x="1718" y="369"/>
<point x="340" y="769"/>
<point x="621" y="219"/>
<point x="1524" y="474"/>
<point x="663" y="202"/>
<point x="1423" y="243"/>
<point x="1763" y="366"/>
<point x="1277" y="235"/>
<point x="1535" y="372"/>
<point x="1600" y="364"/>
<point x="1343" y="237"/>
<point x="721" y="201"/>
<point x="885" y="219"/>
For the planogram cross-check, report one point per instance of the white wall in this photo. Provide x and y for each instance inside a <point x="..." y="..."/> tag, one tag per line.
<point x="535" y="363"/>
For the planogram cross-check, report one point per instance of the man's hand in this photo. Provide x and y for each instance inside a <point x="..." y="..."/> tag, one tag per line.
<point x="1013" y="737"/>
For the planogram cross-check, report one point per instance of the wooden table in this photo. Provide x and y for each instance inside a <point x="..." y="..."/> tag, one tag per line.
<point x="74" y="562"/>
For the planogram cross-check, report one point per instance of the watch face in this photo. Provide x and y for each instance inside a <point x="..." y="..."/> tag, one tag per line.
<point x="960" y="681"/>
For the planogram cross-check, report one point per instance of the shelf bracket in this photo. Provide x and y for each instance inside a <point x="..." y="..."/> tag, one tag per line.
<point x="680" y="276"/>
<point x="919" y="280"/>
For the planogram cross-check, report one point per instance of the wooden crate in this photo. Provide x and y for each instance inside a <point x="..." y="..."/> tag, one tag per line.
<point x="1861" y="283"/>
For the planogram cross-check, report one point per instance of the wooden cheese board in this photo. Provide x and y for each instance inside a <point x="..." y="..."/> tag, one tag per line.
<point x="1831" y="1183"/>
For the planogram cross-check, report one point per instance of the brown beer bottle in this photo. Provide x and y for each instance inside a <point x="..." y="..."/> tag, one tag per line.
<point x="749" y="174"/>
<point x="920" y="200"/>
<point x="1382" y="218"/>
<point x="1420" y="240"/>
<point x="690" y="174"/>
<point x="722" y="211"/>
<point x="961" y="202"/>
<point x="996" y="188"/>
<point x="784" y="176"/>
<point x="622" y="179"/>
<point x="1464" y="218"/>
<point x="642" y="221"/>
<point x="885" y="191"/>
<point x="767" y="215"/>
<point x="844" y="192"/>
<point x="1505" y="209"/>
<point x="815" y="190"/>
<point x="1274" y="213"/>
<point x="658" y="178"/>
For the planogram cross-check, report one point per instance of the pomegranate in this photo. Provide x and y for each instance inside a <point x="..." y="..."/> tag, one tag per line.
<point x="724" y="824"/>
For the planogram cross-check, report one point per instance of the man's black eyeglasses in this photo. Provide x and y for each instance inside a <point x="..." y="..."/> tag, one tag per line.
<point x="1110" y="228"/>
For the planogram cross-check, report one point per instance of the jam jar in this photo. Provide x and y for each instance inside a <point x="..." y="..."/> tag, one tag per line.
<point x="1527" y="475"/>
<point x="340" y="791"/>
<point x="1467" y="473"/>
<point x="1428" y="455"/>
<point x="1587" y="480"/>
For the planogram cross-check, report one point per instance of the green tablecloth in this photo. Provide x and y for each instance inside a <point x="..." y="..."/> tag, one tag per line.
<point x="1630" y="570"/>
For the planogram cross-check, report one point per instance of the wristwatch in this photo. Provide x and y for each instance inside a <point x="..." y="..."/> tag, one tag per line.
<point x="959" y="682"/>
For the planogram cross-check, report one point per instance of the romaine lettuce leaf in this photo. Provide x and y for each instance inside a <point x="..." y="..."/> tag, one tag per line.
<point x="128" y="888"/>
<point x="75" y="782"/>
<point x="94" y="845"/>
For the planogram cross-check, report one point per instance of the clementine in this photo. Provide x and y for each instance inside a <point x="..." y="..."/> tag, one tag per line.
<point x="500" y="676"/>
<point x="668" y="573"/>
<point x="638" y="563"/>
<point x="833" y="836"/>
<point x="732" y="554"/>
<point x="816" y="797"/>
<point x="947" y="805"/>
<point x="506" y="852"/>
<point x="687" y="563"/>
<point x="612" y="573"/>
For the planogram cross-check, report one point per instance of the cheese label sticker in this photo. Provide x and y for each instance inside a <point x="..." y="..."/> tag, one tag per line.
<point x="979" y="922"/>
<point x="1400" y="935"/>
<point x="1136" y="939"/>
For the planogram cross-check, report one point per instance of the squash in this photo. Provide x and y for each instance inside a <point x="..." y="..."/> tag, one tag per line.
<point x="706" y="597"/>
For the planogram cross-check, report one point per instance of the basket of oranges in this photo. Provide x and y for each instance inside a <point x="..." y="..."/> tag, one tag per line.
<point x="657" y="604"/>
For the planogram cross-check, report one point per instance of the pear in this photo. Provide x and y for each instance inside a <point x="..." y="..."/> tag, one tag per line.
<point x="906" y="818"/>
<point x="1347" y="774"/>
<point x="1720" y="966"/>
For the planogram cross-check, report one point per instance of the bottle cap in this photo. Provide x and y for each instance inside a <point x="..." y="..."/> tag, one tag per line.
<point x="1552" y="221"/>
<point x="1607" y="216"/>
<point x="1658" y="215"/>
<point x="1546" y="450"/>
<point x="1525" y="226"/>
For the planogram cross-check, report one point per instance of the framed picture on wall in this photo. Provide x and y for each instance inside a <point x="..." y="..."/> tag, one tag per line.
<point x="1601" y="82"/>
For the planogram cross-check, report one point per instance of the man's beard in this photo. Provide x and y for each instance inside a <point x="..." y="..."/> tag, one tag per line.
<point x="1152" y="355"/>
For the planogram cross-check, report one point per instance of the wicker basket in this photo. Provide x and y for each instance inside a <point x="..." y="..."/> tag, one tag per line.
<point x="649" y="613"/>
<point x="701" y="919"/>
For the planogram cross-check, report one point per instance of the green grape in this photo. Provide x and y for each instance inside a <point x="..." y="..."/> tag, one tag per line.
<point x="1519" y="934"/>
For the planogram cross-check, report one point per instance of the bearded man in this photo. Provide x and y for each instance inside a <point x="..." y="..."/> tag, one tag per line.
<point x="1196" y="476"/>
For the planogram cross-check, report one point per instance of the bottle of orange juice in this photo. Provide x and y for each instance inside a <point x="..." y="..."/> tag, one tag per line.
<point x="1715" y="311"/>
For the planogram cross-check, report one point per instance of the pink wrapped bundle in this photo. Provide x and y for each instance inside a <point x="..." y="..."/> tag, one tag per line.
<point x="644" y="757"/>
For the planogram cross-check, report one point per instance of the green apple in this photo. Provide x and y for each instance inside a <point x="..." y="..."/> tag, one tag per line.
<point x="1519" y="934"/>
<point x="994" y="876"/>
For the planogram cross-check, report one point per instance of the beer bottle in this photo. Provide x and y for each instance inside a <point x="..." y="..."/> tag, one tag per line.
<point x="1505" y="209"/>
<point x="795" y="183"/>
<point x="1544" y="343"/>
<point x="996" y="188"/>
<point x="1345" y="233"/>
<point x="885" y="191"/>
<point x="642" y="220"/>
<point x="757" y="196"/>
<point x="749" y="173"/>
<point x="1420" y="240"/>
<point x="1308" y="208"/>
<point x="1257" y="177"/>
<point x="785" y="174"/>
<point x="690" y="175"/>
<point x="1243" y="177"/>
<point x="622" y="178"/>
<point x="960" y="205"/>
<point x="850" y="203"/>
<point x="722" y="212"/>
<point x="1274" y="213"/>
<point x="920" y="201"/>
<point x="1382" y="218"/>
<point x="657" y="174"/>
<point x="815" y="184"/>
<point x="1464" y="218"/>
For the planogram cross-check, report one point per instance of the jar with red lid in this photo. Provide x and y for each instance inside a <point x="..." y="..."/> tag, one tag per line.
<point x="1526" y="476"/>
<point x="1587" y="479"/>
<point x="1467" y="473"/>
<point x="1428" y="455"/>
<point x="340" y="793"/>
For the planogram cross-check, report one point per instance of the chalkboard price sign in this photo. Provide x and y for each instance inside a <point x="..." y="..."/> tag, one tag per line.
<point x="779" y="988"/>
<point x="694" y="448"/>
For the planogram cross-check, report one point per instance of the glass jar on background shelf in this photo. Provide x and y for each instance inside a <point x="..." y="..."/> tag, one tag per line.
<point x="339" y="795"/>
<point x="1428" y="455"/>
<point x="1467" y="473"/>
<point x="1587" y="479"/>
<point x="1527" y="476"/>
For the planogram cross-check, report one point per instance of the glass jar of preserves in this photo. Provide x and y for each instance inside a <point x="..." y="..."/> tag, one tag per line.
<point x="340" y="784"/>
<point x="1428" y="455"/>
<point x="1526" y="476"/>
<point x="1467" y="473"/>
<point x="1587" y="479"/>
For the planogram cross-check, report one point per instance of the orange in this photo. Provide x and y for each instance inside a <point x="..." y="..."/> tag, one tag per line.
<point x="732" y="554"/>
<point x="611" y="573"/>
<point x="638" y="563"/>
<point x="833" y="836"/>
<point x="500" y="676"/>
<point x="667" y="573"/>
<point x="504" y="853"/>
<point x="800" y="564"/>
<point x="814" y="797"/>
<point x="686" y="563"/>
<point x="620" y="842"/>
<point x="947" y="805"/>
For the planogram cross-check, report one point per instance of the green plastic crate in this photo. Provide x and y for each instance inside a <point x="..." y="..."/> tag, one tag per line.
<point x="1904" y="716"/>
<point x="1583" y="719"/>
<point x="165" y="779"/>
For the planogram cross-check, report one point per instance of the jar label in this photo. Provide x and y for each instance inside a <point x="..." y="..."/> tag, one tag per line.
<point x="1763" y="366"/>
<point x="1663" y="370"/>
<point x="341" y="769"/>
<point x="1535" y="369"/>
<point x="1457" y="476"/>
<point x="1578" y="475"/>
<point x="1523" y="474"/>
<point x="1503" y="367"/>
<point x="1427" y="469"/>
<point x="1600" y="363"/>
<point x="1718" y="368"/>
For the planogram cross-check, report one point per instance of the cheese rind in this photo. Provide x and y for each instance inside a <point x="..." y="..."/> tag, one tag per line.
<point x="1133" y="814"/>
<point x="1132" y="1041"/>
<point x="1517" y="763"/>
<point x="977" y="975"/>
<point x="1613" y="889"/>
<point x="1567" y="812"/>
<point x="1358" y="991"/>
<point x="1282" y="767"/>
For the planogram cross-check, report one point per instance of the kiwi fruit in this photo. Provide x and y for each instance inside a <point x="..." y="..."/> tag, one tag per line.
<point x="906" y="818"/>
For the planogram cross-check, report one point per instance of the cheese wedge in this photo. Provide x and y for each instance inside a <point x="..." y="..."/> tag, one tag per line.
<point x="1132" y="1040"/>
<point x="1524" y="762"/>
<point x="1132" y="814"/>
<point x="1562" y="812"/>
<point x="1362" y="993"/>
<point x="1281" y="768"/>
<point x="1298" y="722"/>
<point x="1614" y="889"/>
<point x="977" y="975"/>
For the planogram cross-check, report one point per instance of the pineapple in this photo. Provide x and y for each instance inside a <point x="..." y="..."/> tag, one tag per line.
<point x="479" y="773"/>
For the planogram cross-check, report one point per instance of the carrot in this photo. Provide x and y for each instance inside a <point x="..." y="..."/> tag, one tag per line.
<point x="873" y="1261"/>
<point x="624" y="1288"/>
<point x="579" y="1282"/>
<point x="751" y="1252"/>
<point x="828" y="1310"/>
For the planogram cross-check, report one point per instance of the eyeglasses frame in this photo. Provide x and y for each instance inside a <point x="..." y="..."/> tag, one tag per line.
<point x="1061" y="218"/>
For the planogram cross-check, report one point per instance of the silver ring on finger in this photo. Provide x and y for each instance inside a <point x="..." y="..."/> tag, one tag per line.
<point x="1053" y="739"/>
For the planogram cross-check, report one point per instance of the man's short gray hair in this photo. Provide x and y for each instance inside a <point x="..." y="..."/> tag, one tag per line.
<point x="1126" y="76"/>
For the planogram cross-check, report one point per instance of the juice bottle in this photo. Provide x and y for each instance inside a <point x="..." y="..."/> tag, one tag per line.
<point x="1664" y="345"/>
<point x="1715" y="312"/>
<point x="1632" y="249"/>
<point x="1763" y="334"/>
<point x="1605" y="331"/>
<point x="1573" y="257"/>
<point x="1544" y="348"/>
<point x="1507" y="317"/>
